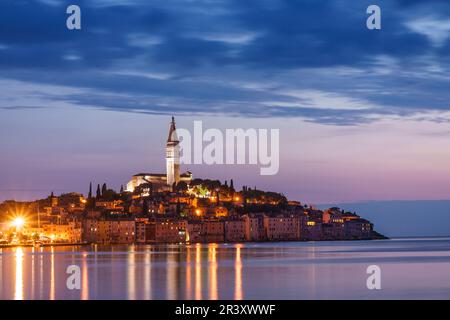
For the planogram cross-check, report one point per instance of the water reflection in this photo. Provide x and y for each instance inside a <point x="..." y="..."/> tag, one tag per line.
<point x="213" y="293"/>
<point x="188" y="273"/>
<point x="171" y="276"/>
<point x="148" y="276"/>
<point x="238" y="274"/>
<point x="198" y="272"/>
<point x="18" y="289"/>
<point x="85" y="278"/>
<point x="33" y="281"/>
<point x="131" y="271"/>
<point x="52" y="274"/>
<point x="41" y="273"/>
<point x="221" y="271"/>
<point x="312" y="267"/>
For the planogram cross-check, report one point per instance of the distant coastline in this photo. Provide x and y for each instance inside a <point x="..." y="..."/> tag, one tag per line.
<point x="404" y="218"/>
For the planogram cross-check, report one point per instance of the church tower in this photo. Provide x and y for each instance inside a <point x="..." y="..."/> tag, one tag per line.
<point x="173" y="156"/>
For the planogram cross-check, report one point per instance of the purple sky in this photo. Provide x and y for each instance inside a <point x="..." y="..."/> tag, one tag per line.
<point x="63" y="149"/>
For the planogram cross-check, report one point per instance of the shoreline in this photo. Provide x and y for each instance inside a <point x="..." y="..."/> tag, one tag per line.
<point x="43" y="245"/>
<point x="177" y="243"/>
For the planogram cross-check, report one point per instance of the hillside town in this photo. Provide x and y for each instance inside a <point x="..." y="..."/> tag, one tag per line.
<point x="204" y="211"/>
<point x="174" y="208"/>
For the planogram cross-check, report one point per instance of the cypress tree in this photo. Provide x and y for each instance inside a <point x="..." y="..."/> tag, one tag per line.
<point x="98" y="195"/>
<point x="104" y="189"/>
<point x="90" y="191"/>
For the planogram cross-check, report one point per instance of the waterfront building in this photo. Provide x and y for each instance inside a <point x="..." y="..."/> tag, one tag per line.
<point x="358" y="229"/>
<point x="194" y="231"/>
<point x="213" y="231"/>
<point x="311" y="229"/>
<point x="109" y="231"/>
<point x="165" y="231"/>
<point x="235" y="230"/>
<point x="70" y="232"/>
<point x="333" y="231"/>
<point x="254" y="227"/>
<point x="282" y="227"/>
<point x="140" y="229"/>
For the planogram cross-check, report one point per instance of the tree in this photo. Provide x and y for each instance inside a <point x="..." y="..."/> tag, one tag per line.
<point x="231" y="185"/>
<point x="90" y="191"/>
<point x="182" y="186"/>
<point x="109" y="194"/>
<point x="98" y="195"/>
<point x="121" y="188"/>
<point x="104" y="189"/>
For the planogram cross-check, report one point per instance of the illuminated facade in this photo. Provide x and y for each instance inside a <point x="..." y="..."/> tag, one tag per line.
<point x="117" y="231"/>
<point x="172" y="156"/>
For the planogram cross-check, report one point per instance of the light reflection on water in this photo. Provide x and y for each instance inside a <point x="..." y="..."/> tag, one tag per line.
<point x="411" y="268"/>
<point x="18" y="289"/>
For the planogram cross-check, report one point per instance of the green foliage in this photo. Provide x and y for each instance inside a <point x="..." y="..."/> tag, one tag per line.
<point x="201" y="190"/>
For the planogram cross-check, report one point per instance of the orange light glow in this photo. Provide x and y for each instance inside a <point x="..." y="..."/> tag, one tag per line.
<point x="18" y="222"/>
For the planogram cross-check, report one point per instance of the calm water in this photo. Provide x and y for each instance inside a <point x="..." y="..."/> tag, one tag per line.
<point x="411" y="268"/>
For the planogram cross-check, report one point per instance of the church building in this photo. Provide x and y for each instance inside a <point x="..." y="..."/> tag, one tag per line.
<point x="161" y="181"/>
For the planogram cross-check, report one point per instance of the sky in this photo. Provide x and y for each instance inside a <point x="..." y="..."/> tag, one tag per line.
<point x="363" y="114"/>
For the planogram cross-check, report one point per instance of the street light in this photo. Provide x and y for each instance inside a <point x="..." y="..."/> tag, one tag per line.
<point x="18" y="222"/>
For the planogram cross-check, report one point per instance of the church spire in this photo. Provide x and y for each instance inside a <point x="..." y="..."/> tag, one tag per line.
<point x="173" y="156"/>
<point x="173" y="137"/>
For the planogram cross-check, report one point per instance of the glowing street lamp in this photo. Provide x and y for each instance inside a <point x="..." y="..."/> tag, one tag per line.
<point x="18" y="222"/>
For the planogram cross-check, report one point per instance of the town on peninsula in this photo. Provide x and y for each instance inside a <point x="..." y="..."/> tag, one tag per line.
<point x="174" y="207"/>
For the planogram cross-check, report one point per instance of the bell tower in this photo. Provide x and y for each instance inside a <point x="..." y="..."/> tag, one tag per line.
<point x="173" y="156"/>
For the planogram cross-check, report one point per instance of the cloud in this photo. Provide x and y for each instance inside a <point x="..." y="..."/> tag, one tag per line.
<point x="437" y="30"/>
<point x="310" y="59"/>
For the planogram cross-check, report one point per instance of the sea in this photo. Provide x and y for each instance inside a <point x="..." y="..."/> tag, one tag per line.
<point x="401" y="268"/>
